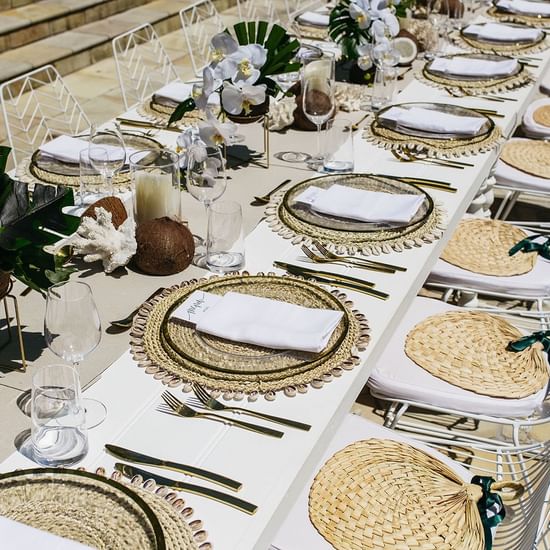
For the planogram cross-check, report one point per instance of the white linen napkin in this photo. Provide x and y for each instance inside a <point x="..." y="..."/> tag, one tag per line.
<point x="67" y="149"/>
<point x="359" y="204"/>
<point x="502" y="33"/>
<point x="524" y="6"/>
<point x="314" y="18"/>
<point x="434" y="121"/>
<point x="263" y="322"/>
<point x="175" y="91"/>
<point x="474" y="67"/>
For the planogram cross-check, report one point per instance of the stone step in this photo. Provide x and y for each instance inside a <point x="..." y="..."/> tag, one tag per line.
<point x="9" y="4"/>
<point x="27" y="24"/>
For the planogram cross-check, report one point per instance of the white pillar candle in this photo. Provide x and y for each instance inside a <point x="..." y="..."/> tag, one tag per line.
<point x="155" y="196"/>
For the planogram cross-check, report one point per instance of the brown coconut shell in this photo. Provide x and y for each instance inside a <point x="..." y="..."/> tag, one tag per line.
<point x="164" y="247"/>
<point x="113" y="205"/>
<point x="405" y="33"/>
<point x="300" y="120"/>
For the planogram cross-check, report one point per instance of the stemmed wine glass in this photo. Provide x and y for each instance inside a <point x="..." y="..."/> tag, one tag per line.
<point x="107" y="155"/>
<point x="438" y="16"/>
<point x="72" y="330"/>
<point x="318" y="97"/>
<point x="206" y="181"/>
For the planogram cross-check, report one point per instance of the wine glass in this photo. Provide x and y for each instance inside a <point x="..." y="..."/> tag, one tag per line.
<point x="318" y="97"/>
<point x="107" y="155"/>
<point x="206" y="182"/>
<point x="72" y="330"/>
<point x="438" y="16"/>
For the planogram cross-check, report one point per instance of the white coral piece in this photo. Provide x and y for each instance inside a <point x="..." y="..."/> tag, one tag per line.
<point x="99" y="240"/>
<point x="281" y="114"/>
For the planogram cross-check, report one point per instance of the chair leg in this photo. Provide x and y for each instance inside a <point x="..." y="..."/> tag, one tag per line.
<point x="395" y="411"/>
<point x="511" y="204"/>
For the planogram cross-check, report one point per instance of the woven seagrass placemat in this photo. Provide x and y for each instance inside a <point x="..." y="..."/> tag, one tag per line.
<point x="470" y="350"/>
<point x="542" y="115"/>
<point x="482" y="246"/>
<point x="528" y="155"/>
<point x="507" y="17"/>
<point x="379" y="494"/>
<point x="505" y="48"/>
<point x="177" y="354"/>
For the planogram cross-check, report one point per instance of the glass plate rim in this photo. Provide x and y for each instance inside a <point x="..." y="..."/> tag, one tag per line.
<point x="522" y="44"/>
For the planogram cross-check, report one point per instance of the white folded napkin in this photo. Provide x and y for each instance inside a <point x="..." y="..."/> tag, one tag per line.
<point x="359" y="204"/>
<point x="67" y="149"/>
<point x="175" y="91"/>
<point x="474" y="67"/>
<point x="314" y="18"/>
<point x="502" y="33"/>
<point x="434" y="121"/>
<point x="19" y="536"/>
<point x="524" y="6"/>
<point x="261" y="321"/>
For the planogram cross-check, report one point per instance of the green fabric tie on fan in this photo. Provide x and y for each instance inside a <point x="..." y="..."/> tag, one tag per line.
<point x="489" y="502"/>
<point x="542" y="336"/>
<point x="529" y="245"/>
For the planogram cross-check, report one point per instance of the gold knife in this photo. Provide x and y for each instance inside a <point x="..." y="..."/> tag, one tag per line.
<point x="237" y="503"/>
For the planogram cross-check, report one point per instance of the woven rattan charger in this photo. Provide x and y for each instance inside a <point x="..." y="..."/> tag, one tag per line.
<point x="482" y="246"/>
<point x="542" y="115"/>
<point x="381" y="494"/>
<point x="531" y="156"/>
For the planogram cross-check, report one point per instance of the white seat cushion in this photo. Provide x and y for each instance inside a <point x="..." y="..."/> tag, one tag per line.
<point x="530" y="126"/>
<point x="398" y="377"/>
<point x="535" y="283"/>
<point x="297" y="532"/>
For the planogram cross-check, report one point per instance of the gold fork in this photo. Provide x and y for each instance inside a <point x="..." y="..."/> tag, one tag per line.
<point x="175" y="406"/>
<point x="321" y="260"/>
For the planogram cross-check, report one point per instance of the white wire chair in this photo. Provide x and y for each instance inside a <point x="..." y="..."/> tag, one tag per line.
<point x="142" y="64"/>
<point x="37" y="107"/>
<point x="260" y="10"/>
<point x="294" y="8"/>
<point x="419" y="402"/>
<point x="200" y="21"/>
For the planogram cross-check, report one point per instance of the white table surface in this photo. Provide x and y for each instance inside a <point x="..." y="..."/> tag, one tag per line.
<point x="273" y="471"/>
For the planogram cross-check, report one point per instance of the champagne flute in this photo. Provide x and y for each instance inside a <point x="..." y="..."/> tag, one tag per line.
<point x="72" y="330"/>
<point x="438" y="16"/>
<point x="318" y="97"/>
<point x="206" y="182"/>
<point x="107" y="155"/>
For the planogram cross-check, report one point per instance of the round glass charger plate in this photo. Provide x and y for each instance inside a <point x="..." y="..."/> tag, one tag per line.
<point x="455" y="110"/>
<point x="365" y="182"/>
<point x="54" y="171"/>
<point x="181" y="341"/>
<point x="81" y="506"/>
<point x="510" y="11"/>
<point x="496" y="45"/>
<point x="468" y="78"/>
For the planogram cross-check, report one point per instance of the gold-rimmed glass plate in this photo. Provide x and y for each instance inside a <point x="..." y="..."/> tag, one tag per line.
<point x="183" y="343"/>
<point x="469" y="78"/>
<point x="485" y="129"/>
<point x="80" y="506"/>
<point x="365" y="182"/>
<point x="510" y="10"/>
<point x="526" y="42"/>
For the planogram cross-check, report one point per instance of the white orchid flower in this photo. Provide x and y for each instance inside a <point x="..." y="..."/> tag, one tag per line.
<point x="391" y="22"/>
<point x="378" y="30"/>
<point x="236" y="99"/>
<point x="214" y="133"/>
<point x="201" y="92"/>
<point x="364" y="59"/>
<point x="222" y="45"/>
<point x="242" y="66"/>
<point x="360" y="15"/>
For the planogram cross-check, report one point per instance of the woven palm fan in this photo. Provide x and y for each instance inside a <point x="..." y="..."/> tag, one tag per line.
<point x="482" y="246"/>
<point x="379" y="494"/>
<point x="528" y="155"/>
<point x="542" y="115"/>
<point x="471" y="350"/>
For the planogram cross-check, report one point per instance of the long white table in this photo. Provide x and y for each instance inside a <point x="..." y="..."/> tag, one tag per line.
<point x="274" y="471"/>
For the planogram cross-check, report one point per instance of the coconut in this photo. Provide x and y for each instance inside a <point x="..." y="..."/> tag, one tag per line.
<point x="164" y="247"/>
<point x="113" y="205"/>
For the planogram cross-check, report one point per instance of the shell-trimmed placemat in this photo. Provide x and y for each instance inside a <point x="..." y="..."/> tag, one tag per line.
<point x="289" y="226"/>
<point x="482" y="246"/>
<point x="508" y="17"/>
<point x="176" y="354"/>
<point x="474" y="87"/>
<point x="309" y="31"/>
<point x="107" y="514"/>
<point x="377" y="494"/>
<point x="392" y="140"/>
<point x="541" y="115"/>
<point x="159" y="113"/>
<point x="505" y="48"/>
<point x="531" y="156"/>
<point x="470" y="350"/>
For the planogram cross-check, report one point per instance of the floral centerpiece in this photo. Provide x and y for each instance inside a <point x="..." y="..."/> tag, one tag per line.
<point x="239" y="79"/>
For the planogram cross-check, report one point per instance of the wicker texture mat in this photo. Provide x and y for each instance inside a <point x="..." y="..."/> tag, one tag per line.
<point x="542" y="115"/>
<point x="528" y="155"/>
<point x="469" y="350"/>
<point x="481" y="246"/>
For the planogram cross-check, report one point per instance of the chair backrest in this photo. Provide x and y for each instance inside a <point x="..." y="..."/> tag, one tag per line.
<point x="260" y="10"/>
<point x="142" y="64"/>
<point x="200" y="21"/>
<point x="37" y="107"/>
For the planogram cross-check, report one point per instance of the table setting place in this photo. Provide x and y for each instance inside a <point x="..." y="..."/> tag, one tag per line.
<point x="218" y="269"/>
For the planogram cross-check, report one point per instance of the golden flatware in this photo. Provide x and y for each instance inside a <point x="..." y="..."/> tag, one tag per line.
<point x="126" y="323"/>
<point x="145" y="124"/>
<point x="355" y="125"/>
<point x="322" y="260"/>
<point x="264" y="199"/>
<point x="405" y="156"/>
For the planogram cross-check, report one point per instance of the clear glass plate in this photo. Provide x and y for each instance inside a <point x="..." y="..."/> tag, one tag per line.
<point x="469" y="78"/>
<point x="505" y="42"/>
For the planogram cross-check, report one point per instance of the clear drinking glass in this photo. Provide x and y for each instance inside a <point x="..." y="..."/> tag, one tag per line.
<point x="107" y="155"/>
<point x="382" y="89"/>
<point x="90" y="191"/>
<point x="318" y="96"/>
<point x="338" y="153"/>
<point x="438" y="16"/>
<point x="72" y="330"/>
<point x="156" y="185"/>
<point x="225" y="243"/>
<point x="58" y="431"/>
